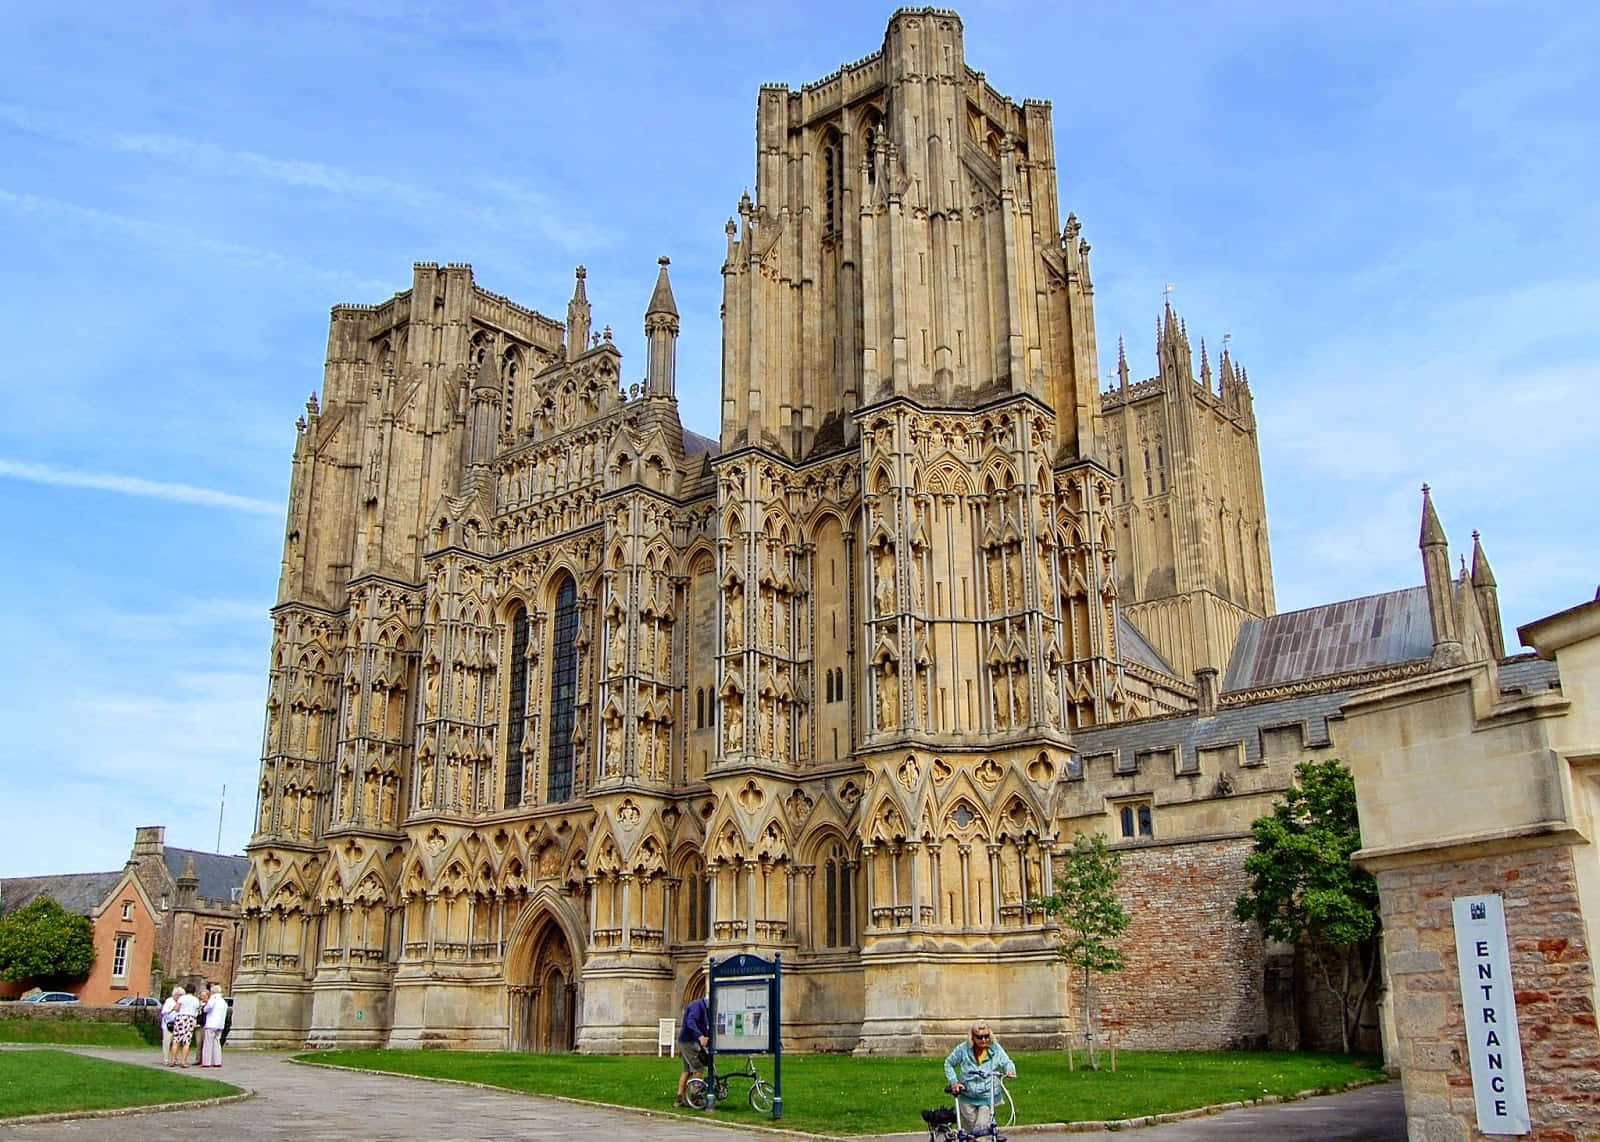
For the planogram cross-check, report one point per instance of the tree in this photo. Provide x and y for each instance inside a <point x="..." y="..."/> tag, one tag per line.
<point x="43" y="942"/>
<point x="1091" y="917"/>
<point x="1306" y="891"/>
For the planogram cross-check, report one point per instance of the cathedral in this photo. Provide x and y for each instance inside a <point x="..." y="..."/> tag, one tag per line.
<point x="565" y="699"/>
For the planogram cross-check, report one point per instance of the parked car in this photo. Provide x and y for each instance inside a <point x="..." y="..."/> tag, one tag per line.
<point x="138" y="1001"/>
<point x="51" y="997"/>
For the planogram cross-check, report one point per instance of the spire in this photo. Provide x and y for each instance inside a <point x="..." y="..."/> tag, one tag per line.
<point x="1432" y="532"/>
<point x="1488" y="594"/>
<point x="1436" y="581"/>
<point x="1482" y="576"/>
<point x="661" y="300"/>
<point x="1205" y="367"/>
<point x="1122" y="364"/>
<point x="661" y="336"/>
<point x="578" y="318"/>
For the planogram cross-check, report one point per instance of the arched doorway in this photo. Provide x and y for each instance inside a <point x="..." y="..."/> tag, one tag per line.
<point x="541" y="987"/>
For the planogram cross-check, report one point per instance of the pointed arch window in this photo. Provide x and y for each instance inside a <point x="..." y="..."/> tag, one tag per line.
<point x="563" y="692"/>
<point x="516" y="707"/>
<point x="697" y="899"/>
<point x="838" y="900"/>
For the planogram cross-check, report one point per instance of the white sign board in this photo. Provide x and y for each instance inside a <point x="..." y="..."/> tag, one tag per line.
<point x="743" y="1016"/>
<point x="1490" y="1007"/>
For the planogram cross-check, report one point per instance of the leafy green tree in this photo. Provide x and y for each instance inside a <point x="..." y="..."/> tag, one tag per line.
<point x="1305" y="891"/>
<point x="43" y="942"/>
<point x="1090" y="916"/>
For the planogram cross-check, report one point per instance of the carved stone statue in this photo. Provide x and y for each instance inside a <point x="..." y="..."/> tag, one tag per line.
<point x="733" y="630"/>
<point x="425" y="783"/>
<point x="883" y="583"/>
<point x="888" y="697"/>
<point x="732" y="724"/>
<point x="1052" y="700"/>
<point x="308" y="811"/>
<point x="664" y="650"/>
<point x="616" y="656"/>
<point x="369" y="800"/>
<point x="1019" y="697"/>
<point x="613" y="762"/>
<point x="388" y="819"/>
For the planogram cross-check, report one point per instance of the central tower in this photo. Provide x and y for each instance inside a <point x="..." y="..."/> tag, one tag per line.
<point x="903" y="241"/>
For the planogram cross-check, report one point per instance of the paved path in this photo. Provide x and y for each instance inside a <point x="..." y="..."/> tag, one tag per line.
<point x="300" y="1103"/>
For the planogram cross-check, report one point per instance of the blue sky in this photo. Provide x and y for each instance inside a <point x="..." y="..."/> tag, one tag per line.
<point x="1390" y="206"/>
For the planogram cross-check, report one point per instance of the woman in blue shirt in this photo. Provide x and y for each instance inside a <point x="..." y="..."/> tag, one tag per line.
<point x="969" y="1073"/>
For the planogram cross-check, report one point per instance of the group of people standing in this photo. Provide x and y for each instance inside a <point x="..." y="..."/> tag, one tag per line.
<point x="182" y="1015"/>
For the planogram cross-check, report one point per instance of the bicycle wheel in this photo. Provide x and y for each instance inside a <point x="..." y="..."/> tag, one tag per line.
<point x="694" y="1093"/>
<point x="761" y="1095"/>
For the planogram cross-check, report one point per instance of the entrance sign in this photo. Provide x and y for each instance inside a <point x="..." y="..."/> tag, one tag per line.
<point x="1494" y="1045"/>
<point x="745" y="998"/>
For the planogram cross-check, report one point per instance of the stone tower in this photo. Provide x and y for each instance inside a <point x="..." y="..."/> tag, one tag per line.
<point x="1191" y="520"/>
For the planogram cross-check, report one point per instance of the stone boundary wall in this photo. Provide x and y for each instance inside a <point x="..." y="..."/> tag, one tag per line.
<point x="1552" y="969"/>
<point x="69" y="1012"/>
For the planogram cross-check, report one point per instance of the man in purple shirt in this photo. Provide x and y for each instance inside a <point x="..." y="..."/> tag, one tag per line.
<point x="694" y="1042"/>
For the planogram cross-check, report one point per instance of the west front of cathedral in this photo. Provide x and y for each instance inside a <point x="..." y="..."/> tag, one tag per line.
<point x="565" y="699"/>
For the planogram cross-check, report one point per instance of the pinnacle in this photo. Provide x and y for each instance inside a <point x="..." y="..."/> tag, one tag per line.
<point x="661" y="300"/>
<point x="1482" y="576"/>
<point x="1432" y="531"/>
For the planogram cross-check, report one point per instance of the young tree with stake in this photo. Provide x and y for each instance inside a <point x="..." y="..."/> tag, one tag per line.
<point x="1091" y="917"/>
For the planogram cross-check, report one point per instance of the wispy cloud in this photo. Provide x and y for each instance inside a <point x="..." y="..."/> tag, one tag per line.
<point x="178" y="240"/>
<point x="515" y="207"/>
<point x="136" y="486"/>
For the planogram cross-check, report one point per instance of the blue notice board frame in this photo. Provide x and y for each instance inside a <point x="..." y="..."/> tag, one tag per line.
<point x="745" y="994"/>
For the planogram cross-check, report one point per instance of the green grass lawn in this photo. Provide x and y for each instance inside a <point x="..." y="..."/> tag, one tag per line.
<point x="48" y="1082"/>
<point x="83" y="1033"/>
<point x="841" y="1094"/>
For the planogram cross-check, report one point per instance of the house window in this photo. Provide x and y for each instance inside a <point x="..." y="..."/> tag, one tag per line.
<point x="119" y="957"/>
<point x="127" y="910"/>
<point x="211" y="949"/>
<point x="1137" y="821"/>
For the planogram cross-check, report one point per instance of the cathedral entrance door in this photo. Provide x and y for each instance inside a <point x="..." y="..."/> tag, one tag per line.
<point x="540" y="970"/>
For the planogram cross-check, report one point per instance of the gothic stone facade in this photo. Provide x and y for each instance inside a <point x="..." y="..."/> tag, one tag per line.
<point x="565" y="699"/>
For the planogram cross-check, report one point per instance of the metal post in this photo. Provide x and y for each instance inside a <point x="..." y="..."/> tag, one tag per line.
<point x="777" y="1037"/>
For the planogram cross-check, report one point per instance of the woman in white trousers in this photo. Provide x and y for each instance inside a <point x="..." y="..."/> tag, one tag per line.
<point x="215" y="1013"/>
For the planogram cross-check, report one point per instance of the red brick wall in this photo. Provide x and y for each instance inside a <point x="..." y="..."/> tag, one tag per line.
<point x="101" y="986"/>
<point x="1193" y="974"/>
<point x="1551" y="966"/>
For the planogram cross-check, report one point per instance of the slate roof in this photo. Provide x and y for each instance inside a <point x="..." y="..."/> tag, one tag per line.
<point x="218" y="875"/>
<point x="1132" y="646"/>
<point x="1529" y="674"/>
<point x="696" y="445"/>
<point x="76" y="892"/>
<point x="1188" y="733"/>
<point x="1357" y="634"/>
